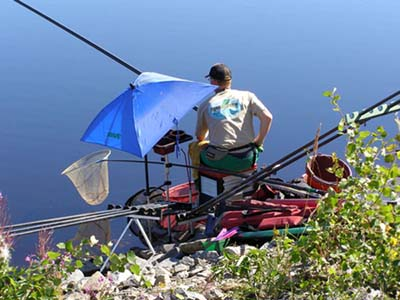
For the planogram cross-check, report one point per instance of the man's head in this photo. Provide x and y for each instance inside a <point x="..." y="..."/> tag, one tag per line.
<point x="220" y="74"/>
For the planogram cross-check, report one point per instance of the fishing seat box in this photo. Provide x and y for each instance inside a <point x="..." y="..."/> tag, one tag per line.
<point x="211" y="183"/>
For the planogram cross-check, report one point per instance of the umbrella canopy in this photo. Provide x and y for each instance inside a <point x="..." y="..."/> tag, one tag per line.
<point x="137" y="119"/>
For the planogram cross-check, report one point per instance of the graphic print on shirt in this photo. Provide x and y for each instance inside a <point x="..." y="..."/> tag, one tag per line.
<point x="225" y="109"/>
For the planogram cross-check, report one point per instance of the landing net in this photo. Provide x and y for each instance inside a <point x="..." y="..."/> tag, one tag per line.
<point x="90" y="176"/>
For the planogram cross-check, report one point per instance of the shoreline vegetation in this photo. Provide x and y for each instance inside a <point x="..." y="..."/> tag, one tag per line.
<point x="350" y="251"/>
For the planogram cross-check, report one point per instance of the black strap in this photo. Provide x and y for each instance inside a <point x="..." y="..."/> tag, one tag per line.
<point x="250" y="145"/>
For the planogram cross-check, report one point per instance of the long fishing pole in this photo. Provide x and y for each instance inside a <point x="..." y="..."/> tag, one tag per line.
<point x="72" y="220"/>
<point x="39" y="224"/>
<point x="225" y="172"/>
<point x="45" y="221"/>
<point x="260" y="175"/>
<point x="334" y="129"/>
<point x="95" y="46"/>
<point x="80" y="37"/>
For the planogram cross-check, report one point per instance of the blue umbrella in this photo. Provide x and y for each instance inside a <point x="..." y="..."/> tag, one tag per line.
<point x="138" y="118"/>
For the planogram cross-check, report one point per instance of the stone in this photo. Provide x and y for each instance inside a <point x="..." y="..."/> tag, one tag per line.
<point x="215" y="294"/>
<point x="73" y="279"/>
<point x="96" y="282"/>
<point x="180" y="268"/>
<point x="77" y="296"/>
<point x="195" y="295"/>
<point x="195" y="270"/>
<point x="168" y="263"/>
<point x="212" y="256"/>
<point x="183" y="275"/>
<point x="119" y="277"/>
<point x="205" y="274"/>
<point x="187" y="260"/>
<point x="163" y="281"/>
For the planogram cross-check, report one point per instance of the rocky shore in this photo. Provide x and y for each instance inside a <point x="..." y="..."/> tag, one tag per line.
<point x="176" y="272"/>
<point x="181" y="272"/>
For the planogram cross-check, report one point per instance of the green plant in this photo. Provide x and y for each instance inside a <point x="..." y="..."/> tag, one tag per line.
<point x="354" y="235"/>
<point x="262" y="271"/>
<point x="46" y="270"/>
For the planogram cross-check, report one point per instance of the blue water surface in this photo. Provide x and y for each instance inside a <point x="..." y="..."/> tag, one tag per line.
<point x="287" y="52"/>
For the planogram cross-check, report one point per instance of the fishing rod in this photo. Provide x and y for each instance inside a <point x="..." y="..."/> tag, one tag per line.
<point x="102" y="50"/>
<point x="66" y="220"/>
<point x="361" y="118"/>
<point x="276" y="183"/>
<point x="82" y="38"/>
<point x="45" y="221"/>
<point x="62" y="222"/>
<point x="350" y="118"/>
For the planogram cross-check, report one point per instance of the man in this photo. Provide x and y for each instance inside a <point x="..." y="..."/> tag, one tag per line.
<point x="227" y="119"/>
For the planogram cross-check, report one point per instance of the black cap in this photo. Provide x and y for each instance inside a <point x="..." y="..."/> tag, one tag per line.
<point x="220" y="72"/>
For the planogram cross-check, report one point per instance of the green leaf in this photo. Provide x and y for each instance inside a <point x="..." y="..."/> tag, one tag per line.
<point x="389" y="158"/>
<point x="61" y="245"/>
<point x="69" y="246"/>
<point x="135" y="269"/>
<point x="327" y="93"/>
<point x="149" y="285"/>
<point x="105" y="250"/>
<point x="130" y="256"/>
<point x="98" y="260"/>
<point x="364" y="134"/>
<point x="115" y="259"/>
<point x="78" y="264"/>
<point x="53" y="255"/>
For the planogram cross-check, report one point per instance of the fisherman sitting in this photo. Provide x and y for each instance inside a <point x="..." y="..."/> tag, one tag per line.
<point x="227" y="119"/>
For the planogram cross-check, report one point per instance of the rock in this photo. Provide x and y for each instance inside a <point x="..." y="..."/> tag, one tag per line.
<point x="182" y="275"/>
<point x="168" y="263"/>
<point x="195" y="296"/>
<point x="215" y="293"/>
<point x="73" y="279"/>
<point x="187" y="260"/>
<point x="119" y="277"/>
<point x="205" y="274"/>
<point x="163" y="281"/>
<point x="267" y="246"/>
<point x="96" y="282"/>
<point x="230" y="284"/>
<point x="195" y="270"/>
<point x="211" y="256"/>
<point x="77" y="296"/>
<point x="180" y="268"/>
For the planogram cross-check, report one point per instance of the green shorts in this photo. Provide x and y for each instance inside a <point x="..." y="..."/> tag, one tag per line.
<point x="233" y="161"/>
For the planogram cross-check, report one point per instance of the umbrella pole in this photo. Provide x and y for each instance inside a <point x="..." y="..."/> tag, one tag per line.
<point x="146" y="172"/>
<point x="147" y="192"/>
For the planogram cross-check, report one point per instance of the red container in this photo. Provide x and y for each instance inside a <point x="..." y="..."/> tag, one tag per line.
<point x="180" y="193"/>
<point x="317" y="175"/>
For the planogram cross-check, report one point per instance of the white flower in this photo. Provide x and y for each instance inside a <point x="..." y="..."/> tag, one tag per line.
<point x="93" y="241"/>
<point x="4" y="253"/>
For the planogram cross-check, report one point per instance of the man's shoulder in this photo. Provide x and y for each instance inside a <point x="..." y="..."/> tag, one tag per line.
<point x="242" y="93"/>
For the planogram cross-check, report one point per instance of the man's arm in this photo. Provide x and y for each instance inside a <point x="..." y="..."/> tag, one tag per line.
<point x="265" y="125"/>
<point x="201" y="127"/>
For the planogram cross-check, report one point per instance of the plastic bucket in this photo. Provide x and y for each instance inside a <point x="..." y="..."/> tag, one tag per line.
<point x="317" y="175"/>
<point x="180" y="193"/>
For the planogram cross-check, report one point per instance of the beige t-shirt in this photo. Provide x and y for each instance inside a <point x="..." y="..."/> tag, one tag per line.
<point x="228" y="117"/>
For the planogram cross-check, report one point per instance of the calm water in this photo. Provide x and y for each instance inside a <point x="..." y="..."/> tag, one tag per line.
<point x="287" y="52"/>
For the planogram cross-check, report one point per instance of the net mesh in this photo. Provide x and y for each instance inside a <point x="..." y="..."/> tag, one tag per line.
<point x="90" y="176"/>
